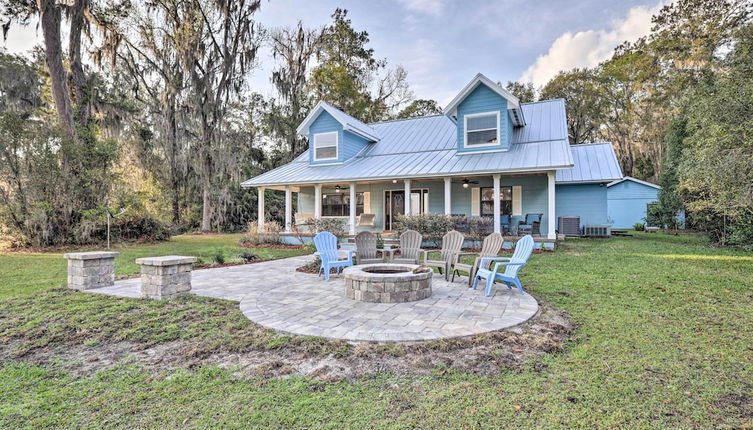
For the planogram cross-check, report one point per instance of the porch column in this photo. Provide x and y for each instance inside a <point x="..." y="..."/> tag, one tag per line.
<point x="288" y="209"/>
<point x="260" y="209"/>
<point x="317" y="200"/>
<point x="447" y="196"/>
<point x="352" y="208"/>
<point x="497" y="210"/>
<point x="407" y="197"/>
<point x="550" y="221"/>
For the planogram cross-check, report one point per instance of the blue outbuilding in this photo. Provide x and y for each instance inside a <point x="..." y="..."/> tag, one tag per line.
<point x="628" y="200"/>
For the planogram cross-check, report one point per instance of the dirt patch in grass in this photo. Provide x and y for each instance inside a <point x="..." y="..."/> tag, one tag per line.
<point x="83" y="333"/>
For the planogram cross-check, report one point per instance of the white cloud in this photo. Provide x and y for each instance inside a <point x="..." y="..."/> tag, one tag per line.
<point x="424" y="63"/>
<point x="431" y="7"/>
<point x="589" y="48"/>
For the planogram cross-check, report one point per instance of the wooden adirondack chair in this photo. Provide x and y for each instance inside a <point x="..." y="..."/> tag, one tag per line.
<point x="523" y="250"/>
<point x="366" y="248"/>
<point x="410" y="248"/>
<point x="490" y="248"/>
<point x="452" y="242"/>
<point x="326" y="249"/>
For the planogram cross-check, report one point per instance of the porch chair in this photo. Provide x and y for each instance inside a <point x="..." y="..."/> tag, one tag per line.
<point x="452" y="242"/>
<point x="326" y="249"/>
<point x="523" y="250"/>
<point x="531" y="224"/>
<point x="410" y="248"/>
<point x="504" y="224"/>
<point x="490" y="248"/>
<point x="366" y="248"/>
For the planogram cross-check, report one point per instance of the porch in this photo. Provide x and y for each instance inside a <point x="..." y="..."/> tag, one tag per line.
<point x="495" y="196"/>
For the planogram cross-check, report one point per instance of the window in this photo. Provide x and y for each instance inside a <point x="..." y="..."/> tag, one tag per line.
<point x="487" y="201"/>
<point x="419" y="201"/>
<point x="325" y="146"/>
<point x="338" y="204"/>
<point x="482" y="129"/>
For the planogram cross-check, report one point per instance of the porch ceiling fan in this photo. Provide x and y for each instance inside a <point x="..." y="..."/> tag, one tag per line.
<point x="467" y="182"/>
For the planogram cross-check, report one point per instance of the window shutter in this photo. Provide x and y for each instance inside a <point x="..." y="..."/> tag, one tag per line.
<point x="517" y="204"/>
<point x="475" y="201"/>
<point x="366" y="202"/>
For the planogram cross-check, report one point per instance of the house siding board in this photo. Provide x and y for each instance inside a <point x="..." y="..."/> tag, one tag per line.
<point x="483" y="99"/>
<point x="587" y="201"/>
<point x="627" y="203"/>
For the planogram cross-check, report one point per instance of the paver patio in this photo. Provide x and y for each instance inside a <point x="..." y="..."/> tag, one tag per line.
<point x="274" y="295"/>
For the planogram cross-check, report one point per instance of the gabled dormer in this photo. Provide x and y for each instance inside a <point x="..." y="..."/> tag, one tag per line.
<point x="485" y="114"/>
<point x="334" y="136"/>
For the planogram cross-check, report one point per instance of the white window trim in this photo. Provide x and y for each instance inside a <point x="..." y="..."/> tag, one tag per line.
<point x="337" y="146"/>
<point x="465" y="130"/>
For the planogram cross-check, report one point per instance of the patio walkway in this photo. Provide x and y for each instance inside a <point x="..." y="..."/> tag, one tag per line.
<point x="274" y="295"/>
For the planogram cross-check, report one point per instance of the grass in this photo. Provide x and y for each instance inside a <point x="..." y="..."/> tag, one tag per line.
<point x="664" y="340"/>
<point x="25" y="272"/>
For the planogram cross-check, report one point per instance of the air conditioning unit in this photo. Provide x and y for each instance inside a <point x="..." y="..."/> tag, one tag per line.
<point x="599" y="230"/>
<point x="568" y="225"/>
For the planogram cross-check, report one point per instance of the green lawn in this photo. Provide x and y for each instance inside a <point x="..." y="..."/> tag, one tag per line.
<point x="24" y="272"/>
<point x="664" y="339"/>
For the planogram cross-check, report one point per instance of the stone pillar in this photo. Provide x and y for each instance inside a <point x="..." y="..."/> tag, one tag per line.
<point x="551" y="206"/>
<point x="407" y="197"/>
<point x="448" y="196"/>
<point x="87" y="270"/>
<point x="165" y="277"/>
<point x="497" y="208"/>
<point x="288" y="209"/>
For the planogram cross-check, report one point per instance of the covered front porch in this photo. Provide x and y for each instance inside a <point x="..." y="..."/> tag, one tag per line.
<point x="498" y="196"/>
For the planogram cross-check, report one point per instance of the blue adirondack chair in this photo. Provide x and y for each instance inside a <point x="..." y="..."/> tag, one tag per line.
<point x="512" y="265"/>
<point x="326" y="249"/>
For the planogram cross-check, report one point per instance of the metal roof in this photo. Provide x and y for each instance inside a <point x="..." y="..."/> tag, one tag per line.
<point x="426" y="147"/>
<point x="594" y="162"/>
<point x="348" y="122"/>
<point x="638" y="181"/>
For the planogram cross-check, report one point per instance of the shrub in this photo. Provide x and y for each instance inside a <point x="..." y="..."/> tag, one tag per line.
<point x="639" y="226"/>
<point x="335" y="226"/>
<point x="270" y="233"/>
<point x="218" y="256"/>
<point x="125" y="228"/>
<point x="431" y="226"/>
<point x="479" y="228"/>
<point x="248" y="257"/>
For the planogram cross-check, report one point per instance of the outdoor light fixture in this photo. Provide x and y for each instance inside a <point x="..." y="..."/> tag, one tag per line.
<point x="465" y="183"/>
<point x="337" y="189"/>
<point x="394" y="181"/>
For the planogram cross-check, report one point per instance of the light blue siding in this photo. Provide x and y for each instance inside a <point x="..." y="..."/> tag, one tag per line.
<point x="348" y="143"/>
<point x="588" y="201"/>
<point x="483" y="99"/>
<point x="533" y="199"/>
<point x="627" y="203"/>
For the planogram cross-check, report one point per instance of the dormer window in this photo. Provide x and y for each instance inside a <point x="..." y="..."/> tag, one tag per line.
<point x="482" y="129"/>
<point x="325" y="146"/>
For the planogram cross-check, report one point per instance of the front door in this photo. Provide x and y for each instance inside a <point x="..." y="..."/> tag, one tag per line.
<point x="394" y="205"/>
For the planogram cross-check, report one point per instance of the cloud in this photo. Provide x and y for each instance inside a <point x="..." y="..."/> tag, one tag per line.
<point x="431" y="7"/>
<point x="589" y="48"/>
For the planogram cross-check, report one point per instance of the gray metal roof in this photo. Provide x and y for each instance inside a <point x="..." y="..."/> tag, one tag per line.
<point x="594" y="162"/>
<point x="426" y="147"/>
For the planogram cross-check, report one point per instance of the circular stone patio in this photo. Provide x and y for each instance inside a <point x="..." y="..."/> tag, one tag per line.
<point x="314" y="307"/>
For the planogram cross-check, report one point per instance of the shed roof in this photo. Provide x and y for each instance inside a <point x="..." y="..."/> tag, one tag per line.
<point x="426" y="147"/>
<point x="637" y="181"/>
<point x="593" y="162"/>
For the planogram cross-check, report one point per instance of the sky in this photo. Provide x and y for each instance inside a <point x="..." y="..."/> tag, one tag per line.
<point x="443" y="43"/>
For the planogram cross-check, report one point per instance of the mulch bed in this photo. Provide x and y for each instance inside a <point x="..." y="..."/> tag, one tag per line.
<point x="271" y="246"/>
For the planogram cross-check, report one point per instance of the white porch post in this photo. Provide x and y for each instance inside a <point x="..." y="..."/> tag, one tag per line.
<point x="260" y="211"/>
<point x="352" y="208"/>
<point x="288" y="209"/>
<point x="407" y="197"/>
<point x="317" y="200"/>
<point x="447" y="196"/>
<point x="550" y="222"/>
<point x="497" y="227"/>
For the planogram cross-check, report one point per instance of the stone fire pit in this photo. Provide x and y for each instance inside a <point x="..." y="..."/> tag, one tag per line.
<point x="387" y="283"/>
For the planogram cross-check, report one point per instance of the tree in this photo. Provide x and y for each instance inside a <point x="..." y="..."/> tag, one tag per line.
<point x="419" y="108"/>
<point x="583" y="101"/>
<point x="525" y="92"/>
<point x="670" y="199"/>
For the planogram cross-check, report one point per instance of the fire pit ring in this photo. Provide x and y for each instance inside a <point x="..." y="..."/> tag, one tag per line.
<point x="387" y="283"/>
